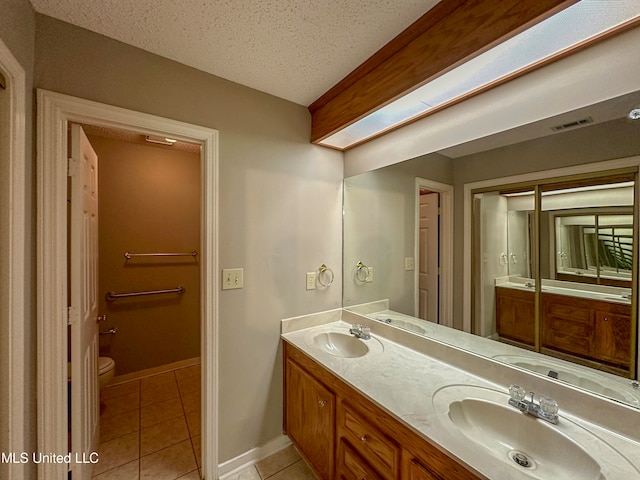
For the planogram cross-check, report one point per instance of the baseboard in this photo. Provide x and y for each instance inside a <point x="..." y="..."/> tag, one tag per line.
<point x="252" y="457"/>
<point x="154" y="371"/>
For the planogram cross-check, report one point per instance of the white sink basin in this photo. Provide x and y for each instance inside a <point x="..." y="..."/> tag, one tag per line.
<point x="484" y="423"/>
<point x="594" y="382"/>
<point x="400" y="321"/>
<point x="340" y="343"/>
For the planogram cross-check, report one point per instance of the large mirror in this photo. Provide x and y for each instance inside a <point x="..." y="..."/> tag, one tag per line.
<point x="553" y="250"/>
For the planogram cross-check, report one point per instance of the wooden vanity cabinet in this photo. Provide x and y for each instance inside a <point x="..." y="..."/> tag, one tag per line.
<point x="310" y="418"/>
<point x="515" y="315"/>
<point x="354" y="439"/>
<point x="592" y="329"/>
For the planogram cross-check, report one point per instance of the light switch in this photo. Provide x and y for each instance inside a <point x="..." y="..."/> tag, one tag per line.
<point x="311" y="280"/>
<point x="232" y="278"/>
<point x="409" y="263"/>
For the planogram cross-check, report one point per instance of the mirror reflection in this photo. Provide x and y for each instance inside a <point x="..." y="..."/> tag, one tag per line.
<point x="553" y="261"/>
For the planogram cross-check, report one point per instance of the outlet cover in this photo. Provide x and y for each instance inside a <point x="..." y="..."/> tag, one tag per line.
<point x="232" y="278"/>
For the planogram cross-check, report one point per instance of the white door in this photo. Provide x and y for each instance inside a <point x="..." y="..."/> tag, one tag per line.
<point x="83" y="310"/>
<point x="428" y="257"/>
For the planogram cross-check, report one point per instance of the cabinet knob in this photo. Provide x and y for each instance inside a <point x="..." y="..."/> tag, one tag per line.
<point x="322" y="403"/>
<point x="363" y="438"/>
<point x="606" y="319"/>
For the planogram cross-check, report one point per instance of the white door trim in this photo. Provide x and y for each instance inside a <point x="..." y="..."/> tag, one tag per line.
<point x="15" y="312"/>
<point x="55" y="111"/>
<point x="445" y="314"/>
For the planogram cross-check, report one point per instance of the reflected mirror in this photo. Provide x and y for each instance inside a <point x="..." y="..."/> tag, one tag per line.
<point x="563" y="246"/>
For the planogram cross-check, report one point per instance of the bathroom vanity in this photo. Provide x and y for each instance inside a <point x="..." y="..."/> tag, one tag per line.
<point x="402" y="406"/>
<point x="588" y="325"/>
<point x="340" y="430"/>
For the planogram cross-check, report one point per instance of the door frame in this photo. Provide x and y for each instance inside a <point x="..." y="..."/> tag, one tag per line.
<point x="55" y="111"/>
<point x="14" y="313"/>
<point x="445" y="309"/>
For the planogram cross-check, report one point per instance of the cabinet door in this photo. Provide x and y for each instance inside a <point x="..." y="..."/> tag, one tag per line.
<point x="612" y="341"/>
<point x="310" y="414"/>
<point x="515" y="315"/>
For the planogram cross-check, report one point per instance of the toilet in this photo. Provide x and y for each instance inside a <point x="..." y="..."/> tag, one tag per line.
<point x="106" y="371"/>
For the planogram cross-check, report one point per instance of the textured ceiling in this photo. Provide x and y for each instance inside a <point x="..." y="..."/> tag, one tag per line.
<point x="293" y="49"/>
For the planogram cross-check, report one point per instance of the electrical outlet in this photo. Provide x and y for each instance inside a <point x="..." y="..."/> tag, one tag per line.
<point x="311" y="280"/>
<point x="369" y="277"/>
<point x="409" y="263"/>
<point x="232" y="278"/>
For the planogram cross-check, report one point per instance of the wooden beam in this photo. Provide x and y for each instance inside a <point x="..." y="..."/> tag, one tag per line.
<point x="451" y="33"/>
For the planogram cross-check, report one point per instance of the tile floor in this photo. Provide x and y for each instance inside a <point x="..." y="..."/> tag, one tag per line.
<point x="150" y="428"/>
<point x="287" y="464"/>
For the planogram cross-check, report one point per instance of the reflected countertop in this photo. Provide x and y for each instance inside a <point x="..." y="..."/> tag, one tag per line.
<point x="571" y="289"/>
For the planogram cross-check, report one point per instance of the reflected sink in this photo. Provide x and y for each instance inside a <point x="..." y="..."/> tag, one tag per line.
<point x="342" y="344"/>
<point x="592" y="381"/>
<point x="535" y="448"/>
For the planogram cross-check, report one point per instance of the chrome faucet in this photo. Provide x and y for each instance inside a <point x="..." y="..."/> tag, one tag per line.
<point x="359" y="331"/>
<point x="546" y="409"/>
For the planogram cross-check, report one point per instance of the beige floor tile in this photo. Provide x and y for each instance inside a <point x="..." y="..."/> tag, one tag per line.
<point x="160" y="379"/>
<point x="169" y="463"/>
<point x="191" y="401"/>
<point x="196" y="442"/>
<point x="117" y="452"/>
<point x="121" y="404"/>
<point x="155" y="393"/>
<point x="129" y="471"/>
<point x="189" y="385"/>
<point x="119" y="390"/>
<point x="247" y="474"/>
<point x="161" y="412"/>
<point x="118" y="425"/>
<point x="195" y="475"/>
<point x="278" y="461"/>
<point x="193" y="421"/>
<point x="163" y="435"/>
<point x="298" y="471"/>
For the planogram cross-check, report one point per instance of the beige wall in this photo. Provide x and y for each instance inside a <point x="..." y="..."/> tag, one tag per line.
<point x="280" y="205"/>
<point x="149" y="200"/>
<point x="17" y="32"/>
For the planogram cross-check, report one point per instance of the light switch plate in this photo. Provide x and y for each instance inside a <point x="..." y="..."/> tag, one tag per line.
<point x="232" y="278"/>
<point x="409" y="263"/>
<point x="311" y="280"/>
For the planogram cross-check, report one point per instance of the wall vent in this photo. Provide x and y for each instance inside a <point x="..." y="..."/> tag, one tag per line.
<point x="574" y="124"/>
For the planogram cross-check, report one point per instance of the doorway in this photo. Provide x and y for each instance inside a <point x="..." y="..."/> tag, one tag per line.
<point x="434" y="251"/>
<point x="55" y="112"/>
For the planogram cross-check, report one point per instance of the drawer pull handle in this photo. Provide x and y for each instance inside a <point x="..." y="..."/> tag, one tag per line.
<point x="364" y="438"/>
<point x="322" y="403"/>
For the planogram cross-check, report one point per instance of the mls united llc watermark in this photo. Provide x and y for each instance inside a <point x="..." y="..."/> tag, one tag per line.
<point x="39" y="457"/>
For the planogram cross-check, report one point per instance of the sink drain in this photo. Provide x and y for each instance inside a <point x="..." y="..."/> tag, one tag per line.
<point x="522" y="459"/>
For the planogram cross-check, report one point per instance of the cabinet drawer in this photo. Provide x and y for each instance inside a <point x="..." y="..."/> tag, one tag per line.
<point x="351" y="466"/>
<point x="381" y="452"/>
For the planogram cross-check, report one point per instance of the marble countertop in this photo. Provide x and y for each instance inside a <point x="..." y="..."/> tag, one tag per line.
<point x="403" y="382"/>
<point x="572" y="289"/>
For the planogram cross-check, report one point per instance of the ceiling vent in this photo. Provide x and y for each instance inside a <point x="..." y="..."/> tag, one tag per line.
<point x="574" y="124"/>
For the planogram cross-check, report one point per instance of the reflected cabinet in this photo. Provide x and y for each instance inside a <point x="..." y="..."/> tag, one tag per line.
<point x="555" y="268"/>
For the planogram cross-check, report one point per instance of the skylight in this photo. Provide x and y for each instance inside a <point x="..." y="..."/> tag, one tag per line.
<point x="572" y="26"/>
